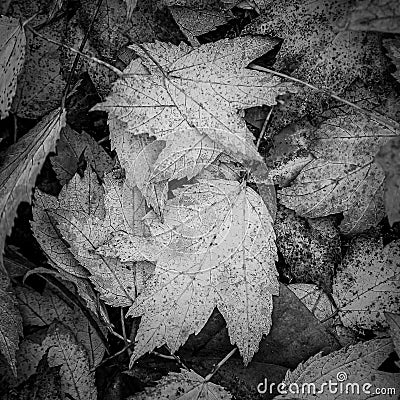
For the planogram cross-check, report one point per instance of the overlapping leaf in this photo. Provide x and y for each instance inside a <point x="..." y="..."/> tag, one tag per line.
<point x="356" y="364"/>
<point x="216" y="249"/>
<point x="198" y="89"/>
<point x="368" y="283"/>
<point x="20" y="166"/>
<point x="12" y="53"/>
<point x="183" y="385"/>
<point x="343" y="176"/>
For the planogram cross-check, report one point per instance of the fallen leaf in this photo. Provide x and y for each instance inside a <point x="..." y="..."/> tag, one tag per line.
<point x="216" y="250"/>
<point x="43" y="309"/>
<point x="195" y="23"/>
<point x="310" y="248"/>
<point x="389" y="160"/>
<point x="342" y="177"/>
<point x="355" y="365"/>
<point x="12" y="54"/>
<point x="21" y="164"/>
<point x="199" y="89"/>
<point x="368" y="283"/>
<point x="71" y="146"/>
<point x="77" y="380"/>
<point x="372" y="15"/>
<point x="313" y="50"/>
<point x="40" y="86"/>
<point x="183" y="385"/>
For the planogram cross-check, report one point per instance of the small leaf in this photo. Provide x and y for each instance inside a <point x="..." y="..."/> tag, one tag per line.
<point x="12" y="53"/>
<point x="20" y="166"/>
<point x="368" y="283"/>
<point x="357" y="365"/>
<point x="342" y="177"/>
<point x="184" y="385"/>
<point x="71" y="146"/>
<point x="77" y="380"/>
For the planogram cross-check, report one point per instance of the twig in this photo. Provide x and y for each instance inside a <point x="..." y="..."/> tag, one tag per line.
<point x="264" y="127"/>
<point x="92" y="58"/>
<point x="220" y="364"/>
<point x="76" y="60"/>
<point x="388" y="122"/>
<point x="116" y="334"/>
<point x="106" y="360"/>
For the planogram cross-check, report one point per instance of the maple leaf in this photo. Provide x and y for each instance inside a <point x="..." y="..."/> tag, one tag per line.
<point x="217" y="249"/>
<point x="354" y="364"/>
<point x="342" y="176"/>
<point x="199" y="89"/>
<point x="373" y="15"/>
<point x="389" y="159"/>
<point x="71" y="146"/>
<point x="314" y="50"/>
<point x="368" y="283"/>
<point x="183" y="385"/>
<point x="12" y="53"/>
<point x="20" y="166"/>
<point x="86" y="216"/>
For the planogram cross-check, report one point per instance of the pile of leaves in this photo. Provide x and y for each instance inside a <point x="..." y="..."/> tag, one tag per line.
<point x="197" y="196"/>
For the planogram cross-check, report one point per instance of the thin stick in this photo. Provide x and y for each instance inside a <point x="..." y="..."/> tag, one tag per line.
<point x="220" y="364"/>
<point x="388" y="122"/>
<point x="106" y="360"/>
<point x="92" y="58"/>
<point x="264" y="127"/>
<point x="123" y="325"/>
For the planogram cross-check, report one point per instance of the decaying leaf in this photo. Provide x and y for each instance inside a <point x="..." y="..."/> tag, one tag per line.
<point x="356" y="364"/>
<point x="181" y="386"/>
<point x="71" y="146"/>
<point x="311" y="248"/>
<point x="217" y="249"/>
<point x="368" y="283"/>
<point x="313" y="50"/>
<point x="342" y="177"/>
<point x="10" y="323"/>
<point x="43" y="309"/>
<point x="389" y="159"/>
<point x="40" y="86"/>
<point x="20" y="166"/>
<point x="77" y="380"/>
<point x="12" y="53"/>
<point x="373" y="15"/>
<point x="199" y="89"/>
<point x="197" y="22"/>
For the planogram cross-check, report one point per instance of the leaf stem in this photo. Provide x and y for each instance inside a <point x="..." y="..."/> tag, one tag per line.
<point x="264" y="127"/>
<point x="220" y="364"/>
<point x="388" y="122"/>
